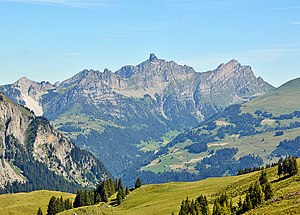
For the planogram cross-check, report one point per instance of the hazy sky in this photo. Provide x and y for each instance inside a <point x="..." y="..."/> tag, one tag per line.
<point x="54" y="39"/>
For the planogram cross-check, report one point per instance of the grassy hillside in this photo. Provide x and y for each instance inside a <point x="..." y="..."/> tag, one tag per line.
<point x="28" y="203"/>
<point x="285" y="99"/>
<point x="250" y="128"/>
<point x="166" y="198"/>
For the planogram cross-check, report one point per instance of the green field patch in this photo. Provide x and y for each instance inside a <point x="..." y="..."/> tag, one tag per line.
<point x="28" y="203"/>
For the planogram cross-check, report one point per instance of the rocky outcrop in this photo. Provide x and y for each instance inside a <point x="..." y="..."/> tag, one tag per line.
<point x="28" y="93"/>
<point x="25" y="138"/>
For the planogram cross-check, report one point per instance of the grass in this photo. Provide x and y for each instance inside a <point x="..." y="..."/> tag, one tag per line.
<point x="282" y="100"/>
<point x="28" y="203"/>
<point x="166" y="198"/>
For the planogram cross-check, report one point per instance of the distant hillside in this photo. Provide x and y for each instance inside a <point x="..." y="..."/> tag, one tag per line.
<point x="28" y="203"/>
<point x="113" y="113"/>
<point x="166" y="198"/>
<point x="35" y="156"/>
<point x="234" y="138"/>
<point x="283" y="100"/>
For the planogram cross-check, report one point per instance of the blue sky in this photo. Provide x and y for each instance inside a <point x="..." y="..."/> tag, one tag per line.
<point x="54" y="39"/>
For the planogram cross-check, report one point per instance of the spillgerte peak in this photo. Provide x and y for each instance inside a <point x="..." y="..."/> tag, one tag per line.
<point x="152" y="57"/>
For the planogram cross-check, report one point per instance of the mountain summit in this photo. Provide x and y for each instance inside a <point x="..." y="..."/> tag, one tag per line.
<point x="115" y="111"/>
<point x="152" y="57"/>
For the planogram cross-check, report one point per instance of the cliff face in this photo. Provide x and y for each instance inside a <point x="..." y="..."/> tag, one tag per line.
<point x="110" y="112"/>
<point x="25" y="139"/>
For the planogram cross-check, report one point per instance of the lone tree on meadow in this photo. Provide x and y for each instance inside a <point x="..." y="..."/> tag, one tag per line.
<point x="39" y="212"/>
<point x="138" y="183"/>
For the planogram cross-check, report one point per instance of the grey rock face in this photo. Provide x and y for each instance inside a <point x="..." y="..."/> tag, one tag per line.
<point x="48" y="147"/>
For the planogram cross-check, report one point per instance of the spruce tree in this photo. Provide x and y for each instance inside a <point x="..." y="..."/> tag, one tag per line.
<point x="279" y="170"/>
<point x="79" y="199"/>
<point x="138" y="183"/>
<point x="247" y="205"/>
<point x="87" y="200"/>
<point x="39" y="212"/>
<point x="92" y="197"/>
<point x="294" y="166"/>
<point x="111" y="186"/>
<point x="60" y="203"/>
<point x="53" y="207"/>
<point x="217" y="209"/>
<point x="263" y="178"/>
<point x="127" y="191"/>
<point x="104" y="195"/>
<point x="202" y="200"/>
<point x="119" y="198"/>
<point x="257" y="195"/>
<point x="97" y="198"/>
<point x="68" y="204"/>
<point x="268" y="191"/>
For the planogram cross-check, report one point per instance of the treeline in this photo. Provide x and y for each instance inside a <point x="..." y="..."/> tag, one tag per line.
<point x="254" y="169"/>
<point x="101" y="193"/>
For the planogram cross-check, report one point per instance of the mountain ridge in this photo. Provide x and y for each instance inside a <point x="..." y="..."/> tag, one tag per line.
<point x="99" y="110"/>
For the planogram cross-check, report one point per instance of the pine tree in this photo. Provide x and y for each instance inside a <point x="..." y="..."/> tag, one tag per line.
<point x="202" y="200"/>
<point x="60" y="203"/>
<point x="97" y="198"/>
<point x="104" y="195"/>
<point x="120" y="184"/>
<point x="119" y="198"/>
<point x="217" y="209"/>
<point x="263" y="178"/>
<point x="127" y="191"/>
<point x="257" y="195"/>
<point x="268" y="191"/>
<point x="79" y="199"/>
<point x="87" y="200"/>
<point x="68" y="204"/>
<point x="39" y="212"/>
<point x="294" y="166"/>
<point x="53" y="207"/>
<point x="92" y="197"/>
<point x="280" y="170"/>
<point x="285" y="166"/>
<point x="247" y="205"/>
<point x="239" y="209"/>
<point x="112" y="187"/>
<point x="138" y="183"/>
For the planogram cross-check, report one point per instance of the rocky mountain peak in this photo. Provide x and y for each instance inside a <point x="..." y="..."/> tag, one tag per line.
<point x="24" y="79"/>
<point x="152" y="57"/>
<point x="229" y="65"/>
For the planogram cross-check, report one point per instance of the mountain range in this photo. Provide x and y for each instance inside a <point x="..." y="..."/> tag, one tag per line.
<point x="118" y="113"/>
